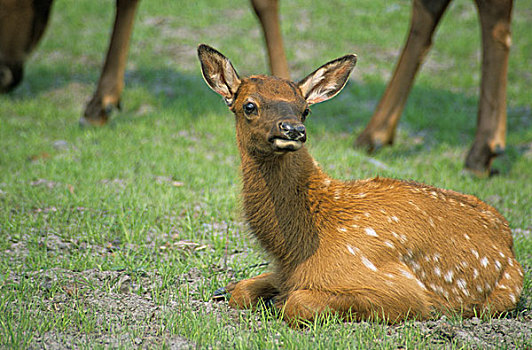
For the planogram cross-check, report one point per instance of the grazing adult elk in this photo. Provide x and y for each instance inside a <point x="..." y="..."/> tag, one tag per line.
<point x="376" y="247"/>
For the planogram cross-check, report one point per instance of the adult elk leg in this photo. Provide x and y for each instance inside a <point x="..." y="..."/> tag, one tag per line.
<point x="381" y="128"/>
<point x="111" y="81"/>
<point x="268" y="13"/>
<point x="490" y="138"/>
<point x="22" y="24"/>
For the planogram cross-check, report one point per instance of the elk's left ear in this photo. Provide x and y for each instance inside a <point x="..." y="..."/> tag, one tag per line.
<point x="218" y="72"/>
<point x="328" y="80"/>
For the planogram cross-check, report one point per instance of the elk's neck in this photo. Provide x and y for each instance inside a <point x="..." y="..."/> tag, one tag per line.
<point x="277" y="203"/>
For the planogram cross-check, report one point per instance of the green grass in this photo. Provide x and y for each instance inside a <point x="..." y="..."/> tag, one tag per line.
<point x="120" y="200"/>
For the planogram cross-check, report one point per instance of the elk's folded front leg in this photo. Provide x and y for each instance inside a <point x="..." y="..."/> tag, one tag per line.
<point x="247" y="293"/>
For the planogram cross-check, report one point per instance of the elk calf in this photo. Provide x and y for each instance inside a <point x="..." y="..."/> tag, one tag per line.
<point x="375" y="247"/>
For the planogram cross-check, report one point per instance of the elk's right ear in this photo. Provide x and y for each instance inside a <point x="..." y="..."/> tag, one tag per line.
<point x="328" y="80"/>
<point x="218" y="72"/>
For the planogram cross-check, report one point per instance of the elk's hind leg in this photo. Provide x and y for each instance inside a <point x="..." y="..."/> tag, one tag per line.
<point x="388" y="303"/>
<point x="111" y="82"/>
<point x="380" y="130"/>
<point x="490" y="138"/>
<point x="246" y="294"/>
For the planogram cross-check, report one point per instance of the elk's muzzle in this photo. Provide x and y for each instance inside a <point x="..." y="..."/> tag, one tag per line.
<point x="292" y="136"/>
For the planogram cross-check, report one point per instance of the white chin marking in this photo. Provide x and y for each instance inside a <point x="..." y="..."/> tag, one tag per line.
<point x="290" y="145"/>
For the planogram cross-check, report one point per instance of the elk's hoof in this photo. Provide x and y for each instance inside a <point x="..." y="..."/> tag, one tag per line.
<point x="10" y="77"/>
<point x="368" y="143"/>
<point x="96" y="114"/>
<point x="221" y="294"/>
<point x="479" y="160"/>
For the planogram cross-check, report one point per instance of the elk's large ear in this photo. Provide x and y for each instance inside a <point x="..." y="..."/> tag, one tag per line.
<point x="218" y="72"/>
<point x="328" y="80"/>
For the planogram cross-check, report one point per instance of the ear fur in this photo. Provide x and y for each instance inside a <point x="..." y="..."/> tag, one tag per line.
<point x="328" y="80"/>
<point x="218" y="72"/>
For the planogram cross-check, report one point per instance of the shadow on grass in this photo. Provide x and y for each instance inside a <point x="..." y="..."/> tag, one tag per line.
<point x="434" y="116"/>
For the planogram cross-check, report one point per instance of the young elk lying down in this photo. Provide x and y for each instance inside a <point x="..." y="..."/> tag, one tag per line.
<point x="376" y="247"/>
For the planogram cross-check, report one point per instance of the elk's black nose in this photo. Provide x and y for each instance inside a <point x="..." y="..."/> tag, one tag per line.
<point x="293" y="131"/>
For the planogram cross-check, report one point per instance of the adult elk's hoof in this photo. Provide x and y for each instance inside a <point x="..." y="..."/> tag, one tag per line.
<point x="370" y="143"/>
<point x="10" y="77"/>
<point x="479" y="159"/>
<point x="97" y="113"/>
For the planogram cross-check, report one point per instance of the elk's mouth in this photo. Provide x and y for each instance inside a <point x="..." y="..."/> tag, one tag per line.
<point x="285" y="145"/>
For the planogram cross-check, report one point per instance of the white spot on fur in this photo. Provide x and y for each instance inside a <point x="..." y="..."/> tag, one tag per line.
<point x="342" y="229"/>
<point x="484" y="262"/>
<point x="462" y="284"/>
<point x="513" y="298"/>
<point x="421" y="284"/>
<point x="475" y="274"/>
<point x="431" y="223"/>
<point x="466" y="236"/>
<point x="415" y="266"/>
<point x="507" y="275"/>
<point x="368" y="263"/>
<point x="475" y="253"/>
<point x="510" y="262"/>
<point x="406" y="274"/>
<point x="436" y="257"/>
<point x="464" y="263"/>
<point x="502" y="255"/>
<point x="479" y="288"/>
<point x="352" y="250"/>
<point x="389" y="244"/>
<point x="395" y="218"/>
<point x="498" y="265"/>
<point x="327" y="182"/>
<point x="437" y="271"/>
<point x="355" y="226"/>
<point x="389" y="275"/>
<point x="448" y="277"/>
<point x="371" y="232"/>
<point x="366" y="214"/>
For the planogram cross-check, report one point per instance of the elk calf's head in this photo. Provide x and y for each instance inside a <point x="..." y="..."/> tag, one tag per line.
<point x="383" y="247"/>
<point x="270" y="111"/>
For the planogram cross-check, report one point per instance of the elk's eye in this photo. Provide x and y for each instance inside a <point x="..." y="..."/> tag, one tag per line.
<point x="249" y="108"/>
<point x="306" y="112"/>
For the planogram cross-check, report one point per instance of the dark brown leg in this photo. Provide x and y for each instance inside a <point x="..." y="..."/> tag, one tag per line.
<point x="22" y="24"/>
<point x="111" y="83"/>
<point x="268" y="13"/>
<point x="381" y="128"/>
<point x="490" y="138"/>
